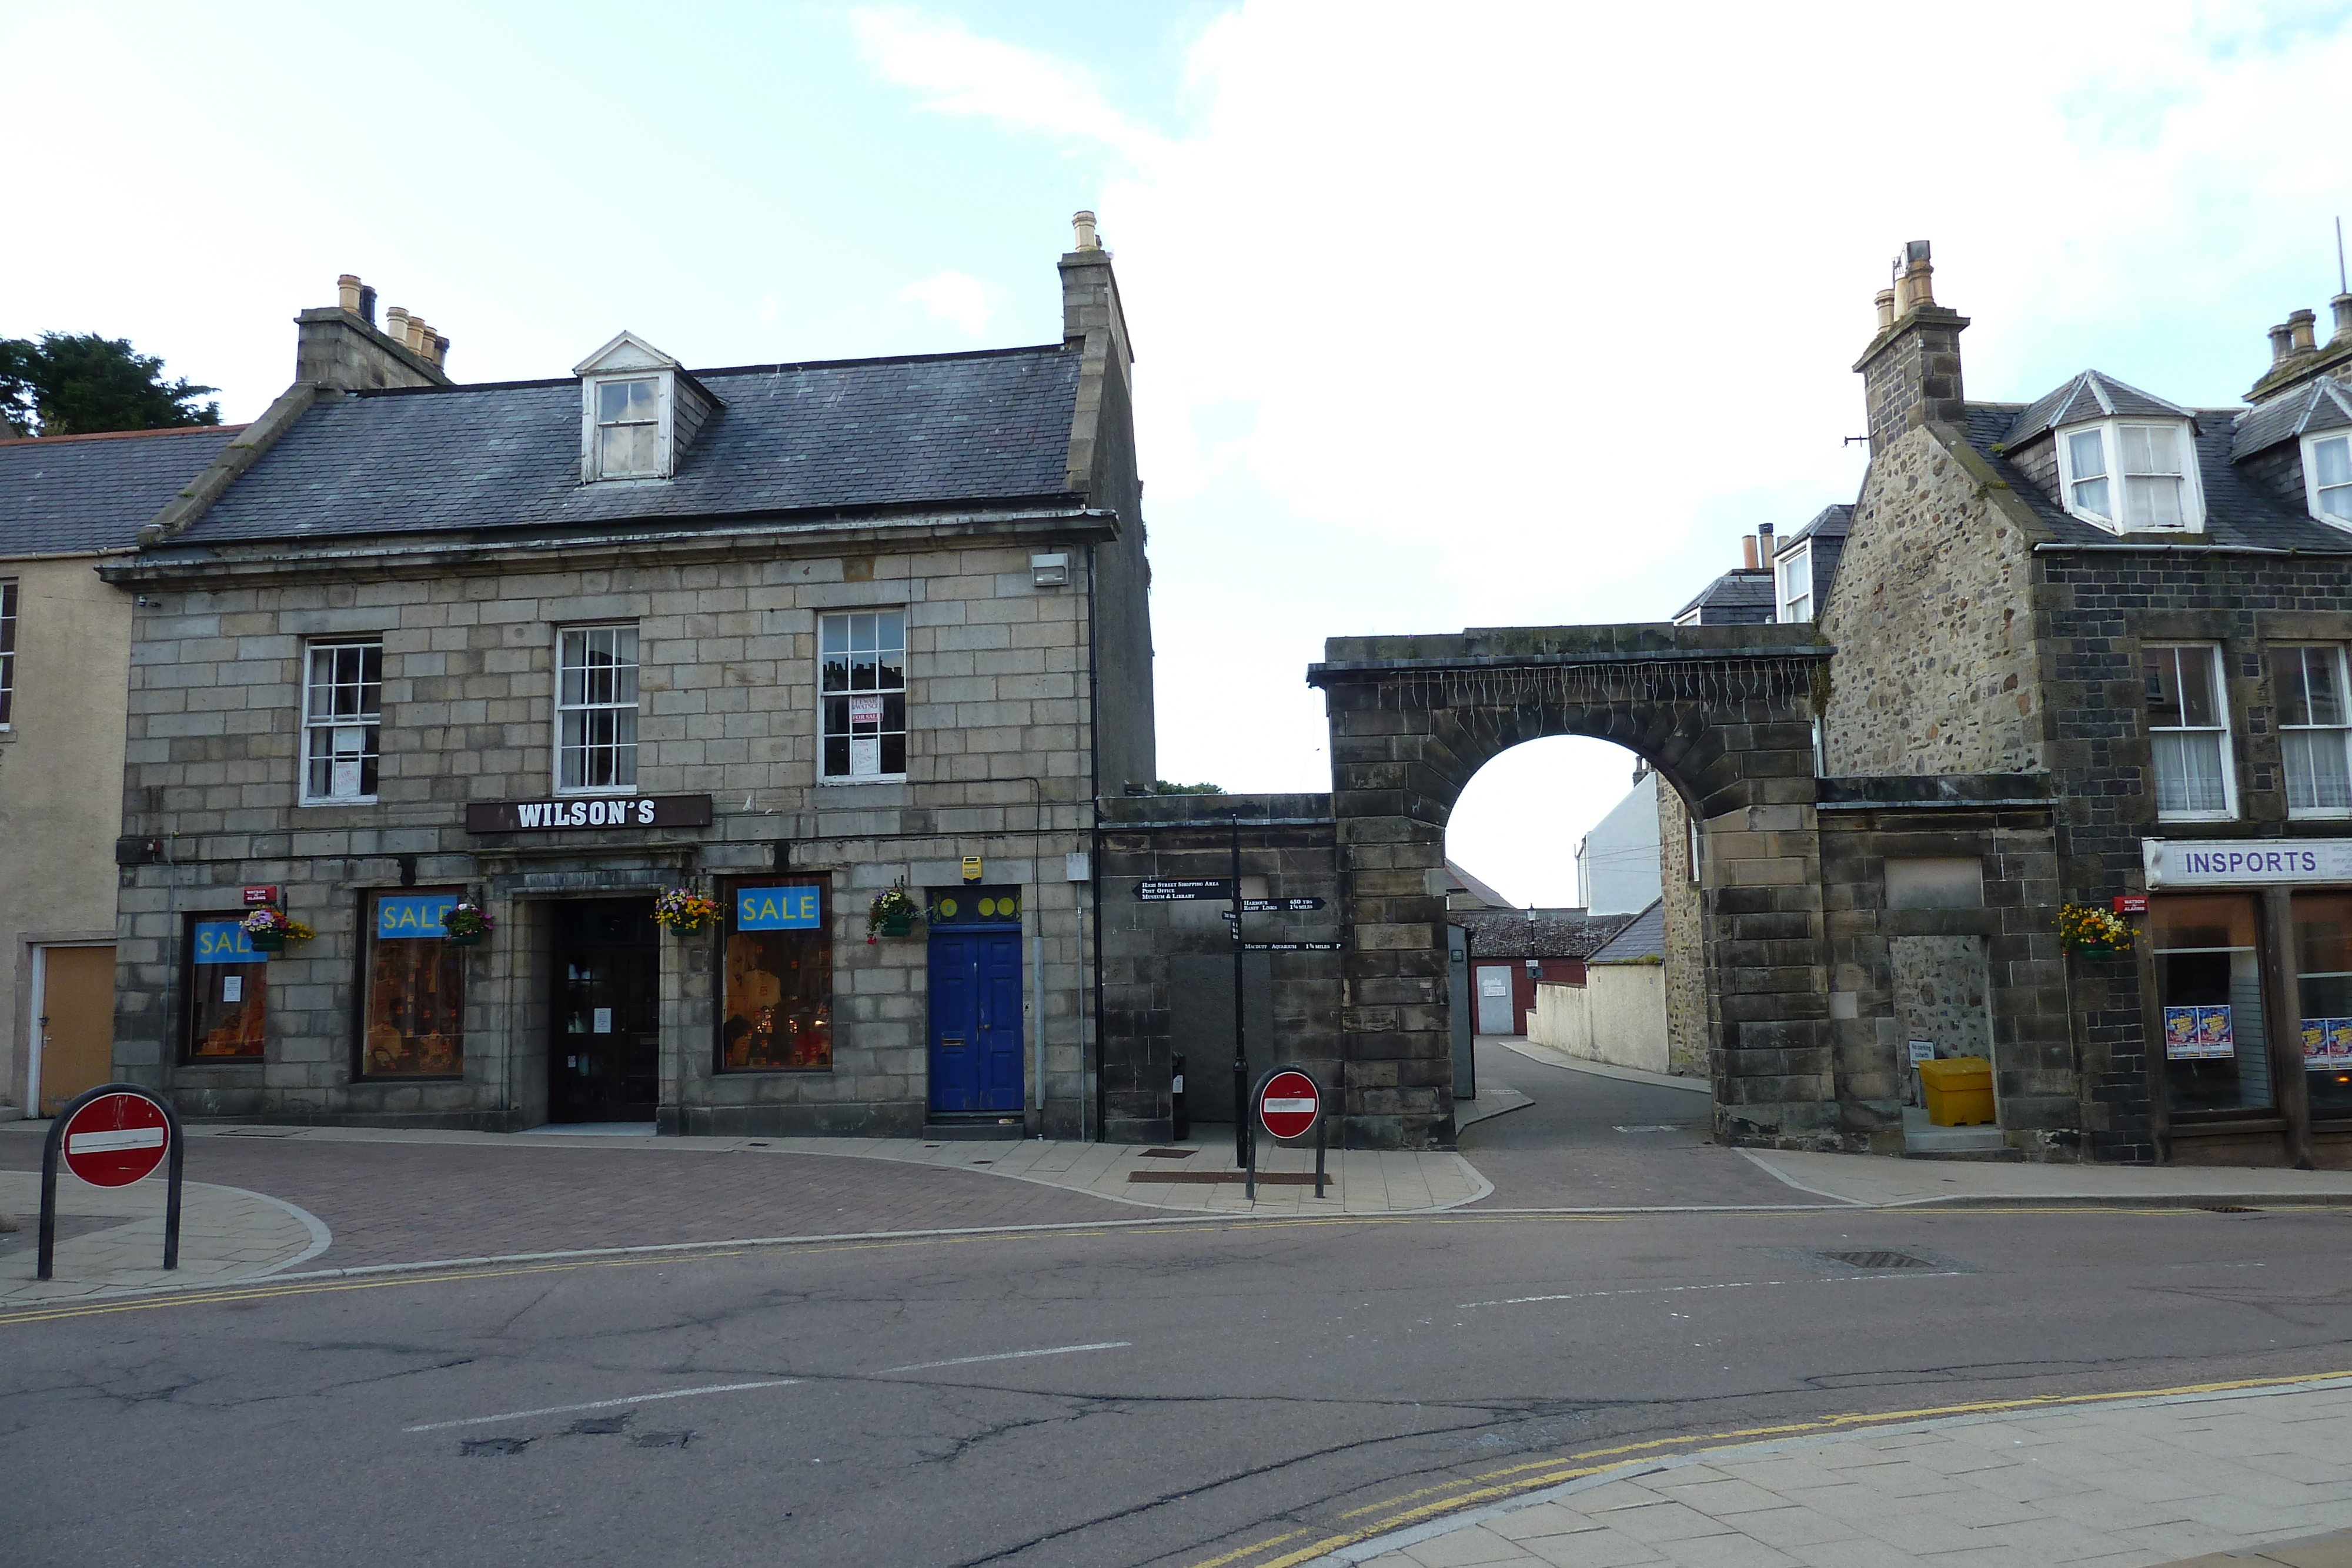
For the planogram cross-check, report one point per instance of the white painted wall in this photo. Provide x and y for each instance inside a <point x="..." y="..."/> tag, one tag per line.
<point x="1618" y="1016"/>
<point x="1617" y="863"/>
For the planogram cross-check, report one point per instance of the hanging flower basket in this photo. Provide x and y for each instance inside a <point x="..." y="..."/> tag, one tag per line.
<point x="684" y="911"/>
<point x="892" y="914"/>
<point x="269" y="930"/>
<point x="465" y="924"/>
<point x="2091" y="932"/>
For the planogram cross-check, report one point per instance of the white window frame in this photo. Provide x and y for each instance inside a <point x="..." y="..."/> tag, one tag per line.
<point x="823" y="773"/>
<point x="592" y="445"/>
<point x="2342" y="731"/>
<point x="2192" y="485"/>
<point x="314" y="725"/>
<point x="2220" y="727"/>
<point x="2311" y="445"/>
<point x="634" y="708"/>
<point x="1801" y="556"/>
<point x="8" y="610"/>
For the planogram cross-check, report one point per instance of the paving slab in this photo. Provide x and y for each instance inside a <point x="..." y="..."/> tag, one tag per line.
<point x="2184" y="1500"/>
<point x="1884" y="1182"/>
<point x="110" y="1239"/>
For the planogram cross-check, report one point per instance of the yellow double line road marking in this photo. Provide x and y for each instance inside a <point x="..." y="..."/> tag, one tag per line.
<point x="1535" y="1475"/>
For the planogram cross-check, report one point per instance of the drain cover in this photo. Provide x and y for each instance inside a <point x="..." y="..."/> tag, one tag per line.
<point x="1169" y="1154"/>
<point x="2230" y="1209"/>
<point x="1877" y="1259"/>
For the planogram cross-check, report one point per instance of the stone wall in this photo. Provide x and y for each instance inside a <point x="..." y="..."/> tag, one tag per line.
<point x="1288" y="850"/>
<point x="1937" y="669"/>
<point x="998" y="767"/>
<point x="1685" y="915"/>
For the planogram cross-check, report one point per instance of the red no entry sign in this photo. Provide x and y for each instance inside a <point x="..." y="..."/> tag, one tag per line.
<point x="1288" y="1104"/>
<point x="116" y="1139"/>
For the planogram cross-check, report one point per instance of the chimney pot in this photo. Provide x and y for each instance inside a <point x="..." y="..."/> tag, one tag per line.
<point x="1885" y="303"/>
<point x="2342" y="306"/>
<point x="2280" y="345"/>
<point x="416" y="338"/>
<point x="367" y="304"/>
<point x="1082" y="224"/>
<point x="395" y="323"/>
<point x="347" y="292"/>
<point x="1747" y="551"/>
<point x="2299" y="325"/>
<point x="440" y="351"/>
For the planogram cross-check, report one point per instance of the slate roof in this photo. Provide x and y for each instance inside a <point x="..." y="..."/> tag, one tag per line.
<point x="1643" y="938"/>
<point x="2236" y="513"/>
<point x="1830" y="523"/>
<point x="62" y="494"/>
<point x="981" y="427"/>
<point x="2090" y="396"/>
<point x="1463" y="882"/>
<point x="1737" y="598"/>
<point x="2321" y="404"/>
<point x="1552" y="934"/>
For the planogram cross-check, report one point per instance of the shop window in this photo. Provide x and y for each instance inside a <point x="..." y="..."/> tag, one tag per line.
<point x="2209" y="993"/>
<point x="413" y="1012"/>
<point x="343" y="707"/>
<point x="777" y="1011"/>
<point x="2188" y="732"/>
<point x="2322" y="983"/>
<point x="596" y="708"/>
<point x="227" y="991"/>
<point x="2308" y="684"/>
<point x="862" y="665"/>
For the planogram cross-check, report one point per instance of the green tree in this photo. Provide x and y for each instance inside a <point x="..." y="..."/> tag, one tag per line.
<point x="1162" y="787"/>
<point x="78" y="384"/>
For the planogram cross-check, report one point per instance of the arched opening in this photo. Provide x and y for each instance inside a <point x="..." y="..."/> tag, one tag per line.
<point x="1576" y="969"/>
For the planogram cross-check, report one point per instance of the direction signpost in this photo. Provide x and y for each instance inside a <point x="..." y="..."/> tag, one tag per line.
<point x="112" y="1136"/>
<point x="1288" y="1104"/>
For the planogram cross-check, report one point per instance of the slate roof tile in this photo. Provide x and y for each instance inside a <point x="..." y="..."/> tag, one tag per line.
<point x="66" y="494"/>
<point x="1510" y="934"/>
<point x="2090" y="396"/>
<point x="2322" y="404"/>
<point x="991" y="426"/>
<point x="2236" y="513"/>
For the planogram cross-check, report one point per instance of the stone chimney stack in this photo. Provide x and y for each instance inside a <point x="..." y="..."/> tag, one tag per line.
<point x="2342" y="306"/>
<point x="341" y="346"/>
<point x="2298" y="356"/>
<point x="1911" y="372"/>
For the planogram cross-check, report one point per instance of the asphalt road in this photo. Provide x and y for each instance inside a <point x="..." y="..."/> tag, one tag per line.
<point x="1163" y="1394"/>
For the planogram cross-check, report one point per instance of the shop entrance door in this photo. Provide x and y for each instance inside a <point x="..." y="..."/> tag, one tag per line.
<point x="603" y="1050"/>
<point x="976" y="1020"/>
<point x="73" y="1024"/>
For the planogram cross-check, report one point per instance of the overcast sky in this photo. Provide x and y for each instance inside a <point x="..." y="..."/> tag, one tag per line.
<point x="1444" y="315"/>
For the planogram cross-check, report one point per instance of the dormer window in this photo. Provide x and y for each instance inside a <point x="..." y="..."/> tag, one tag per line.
<point x="2327" y="475"/>
<point x="628" y="429"/>
<point x="638" y="411"/>
<point x="2132" y="476"/>
<point x="1795" y="570"/>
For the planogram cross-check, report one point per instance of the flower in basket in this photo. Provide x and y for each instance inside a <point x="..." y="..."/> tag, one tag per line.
<point x="2085" y="927"/>
<point x="684" y="911"/>
<point x="892" y="914"/>
<point x="269" y="929"/>
<point x="467" y="921"/>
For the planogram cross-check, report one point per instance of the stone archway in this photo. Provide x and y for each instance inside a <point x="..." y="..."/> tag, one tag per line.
<point x="1725" y="713"/>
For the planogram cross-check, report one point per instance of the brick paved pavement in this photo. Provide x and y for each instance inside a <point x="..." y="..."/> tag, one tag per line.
<point x="405" y="1202"/>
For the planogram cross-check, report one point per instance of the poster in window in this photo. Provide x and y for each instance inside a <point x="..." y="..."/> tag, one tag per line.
<point x="415" y="1018"/>
<point x="228" y="1000"/>
<point x="866" y="713"/>
<point x="2199" y="1033"/>
<point x="2339" y="1042"/>
<point x="777" y="1011"/>
<point x="865" y="755"/>
<point x="2327" y="1043"/>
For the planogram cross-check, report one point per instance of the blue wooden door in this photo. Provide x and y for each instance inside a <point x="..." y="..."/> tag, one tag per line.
<point x="975" y="1005"/>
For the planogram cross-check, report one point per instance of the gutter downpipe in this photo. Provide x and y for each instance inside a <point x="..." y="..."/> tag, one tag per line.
<point x="1095" y="866"/>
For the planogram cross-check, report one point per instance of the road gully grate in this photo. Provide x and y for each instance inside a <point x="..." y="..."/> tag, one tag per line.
<point x="1876" y="1260"/>
<point x="1170" y="1154"/>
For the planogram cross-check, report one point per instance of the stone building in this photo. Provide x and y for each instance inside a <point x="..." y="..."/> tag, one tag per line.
<point x="791" y="637"/>
<point x="67" y="504"/>
<point x="2140" y="609"/>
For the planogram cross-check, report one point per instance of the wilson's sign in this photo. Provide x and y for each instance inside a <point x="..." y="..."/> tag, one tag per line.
<point x="562" y="816"/>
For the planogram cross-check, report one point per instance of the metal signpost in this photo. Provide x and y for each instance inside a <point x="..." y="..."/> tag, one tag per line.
<point x="114" y="1135"/>
<point x="1288" y="1104"/>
